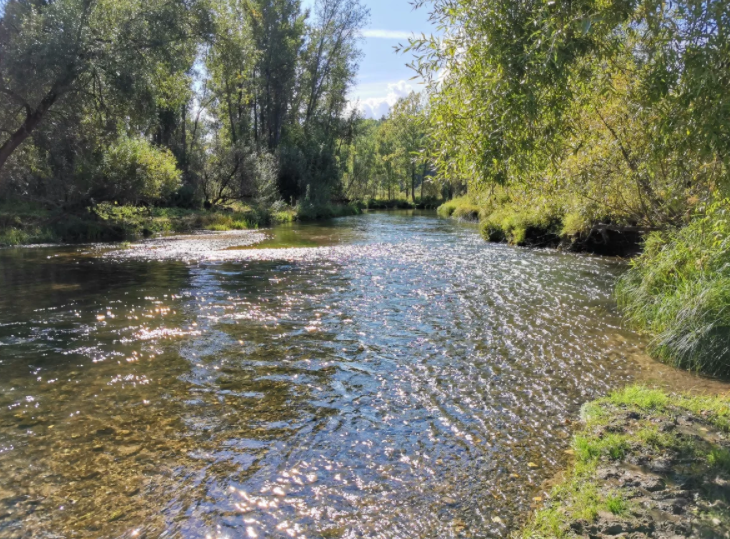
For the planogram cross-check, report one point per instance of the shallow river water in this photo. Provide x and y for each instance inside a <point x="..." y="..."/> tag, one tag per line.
<point x="386" y="375"/>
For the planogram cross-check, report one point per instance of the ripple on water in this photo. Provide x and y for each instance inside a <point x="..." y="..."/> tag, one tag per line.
<point x="396" y="378"/>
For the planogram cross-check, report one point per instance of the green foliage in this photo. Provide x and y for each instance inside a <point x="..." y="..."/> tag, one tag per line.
<point x="17" y="236"/>
<point x="178" y="102"/>
<point x="307" y="211"/>
<point x="118" y="59"/>
<point x="463" y="207"/>
<point x="525" y="85"/>
<point x="628" y="423"/>
<point x="132" y="170"/>
<point x="679" y="291"/>
<point x="136" y="221"/>
<point x="388" y="158"/>
<point x="521" y="226"/>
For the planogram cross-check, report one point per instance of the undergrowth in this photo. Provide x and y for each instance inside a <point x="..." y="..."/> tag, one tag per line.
<point x="678" y="291"/>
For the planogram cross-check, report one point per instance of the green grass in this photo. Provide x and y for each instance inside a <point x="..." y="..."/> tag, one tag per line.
<point x="640" y="397"/>
<point x="540" y="225"/>
<point x="678" y="291"/>
<point x="458" y="207"/>
<point x="617" y="505"/>
<point x="613" y="446"/>
<point x="580" y="496"/>
<point x="719" y="459"/>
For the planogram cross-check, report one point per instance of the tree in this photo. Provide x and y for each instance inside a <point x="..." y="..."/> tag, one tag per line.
<point x="51" y="51"/>
<point x="514" y="84"/>
<point x="408" y="118"/>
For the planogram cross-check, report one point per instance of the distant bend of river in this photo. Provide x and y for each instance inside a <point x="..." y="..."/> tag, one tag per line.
<point x="381" y="376"/>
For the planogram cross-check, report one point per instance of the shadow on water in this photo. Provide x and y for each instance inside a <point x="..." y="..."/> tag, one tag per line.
<point x="387" y="375"/>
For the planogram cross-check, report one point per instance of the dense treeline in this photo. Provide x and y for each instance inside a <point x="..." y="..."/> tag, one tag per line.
<point x="585" y="122"/>
<point x="388" y="158"/>
<point x="176" y="102"/>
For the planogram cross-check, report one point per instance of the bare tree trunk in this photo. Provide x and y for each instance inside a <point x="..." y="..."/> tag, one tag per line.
<point x="413" y="182"/>
<point x="32" y="119"/>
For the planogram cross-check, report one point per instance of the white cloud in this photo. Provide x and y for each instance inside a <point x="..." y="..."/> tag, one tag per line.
<point x="377" y="107"/>
<point x="386" y="34"/>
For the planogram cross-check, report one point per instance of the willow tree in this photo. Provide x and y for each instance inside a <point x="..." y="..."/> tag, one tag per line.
<point x="515" y="84"/>
<point x="51" y="52"/>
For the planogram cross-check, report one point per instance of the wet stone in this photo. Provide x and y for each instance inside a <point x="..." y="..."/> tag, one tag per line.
<point x="128" y="450"/>
<point x="660" y="465"/>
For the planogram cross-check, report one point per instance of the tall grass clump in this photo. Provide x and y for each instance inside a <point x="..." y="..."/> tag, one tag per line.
<point x="519" y="226"/>
<point x="463" y="207"/>
<point x="678" y="291"/>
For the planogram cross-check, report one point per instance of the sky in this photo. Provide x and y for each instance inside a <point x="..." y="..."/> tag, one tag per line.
<point x="383" y="75"/>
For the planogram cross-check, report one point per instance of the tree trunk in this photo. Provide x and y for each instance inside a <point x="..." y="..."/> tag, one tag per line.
<point x="32" y="120"/>
<point x="185" y="167"/>
<point x="423" y="178"/>
<point x="413" y="182"/>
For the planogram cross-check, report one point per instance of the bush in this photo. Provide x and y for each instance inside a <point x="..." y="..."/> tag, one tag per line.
<point x="678" y="290"/>
<point x="134" y="171"/>
<point x="387" y="204"/>
<point x="308" y="211"/>
<point x="540" y="226"/>
<point x="447" y="208"/>
<point x="466" y="212"/>
<point x="460" y="208"/>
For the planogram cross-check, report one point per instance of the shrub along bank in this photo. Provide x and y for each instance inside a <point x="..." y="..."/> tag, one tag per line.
<point x="678" y="290"/>
<point x="520" y="219"/>
<point x="647" y="464"/>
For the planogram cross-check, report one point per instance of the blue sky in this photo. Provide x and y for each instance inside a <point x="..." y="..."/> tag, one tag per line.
<point x="383" y="76"/>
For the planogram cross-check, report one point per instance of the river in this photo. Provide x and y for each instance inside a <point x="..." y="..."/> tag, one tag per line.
<point x="387" y="375"/>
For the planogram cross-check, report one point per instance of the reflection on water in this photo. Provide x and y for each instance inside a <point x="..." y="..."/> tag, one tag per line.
<point x="377" y="376"/>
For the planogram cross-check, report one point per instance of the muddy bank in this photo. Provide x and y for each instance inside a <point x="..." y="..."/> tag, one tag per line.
<point x="646" y="464"/>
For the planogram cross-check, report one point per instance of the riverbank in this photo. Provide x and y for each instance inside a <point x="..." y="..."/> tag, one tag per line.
<point x="543" y="225"/>
<point x="646" y="464"/>
<point x="23" y="224"/>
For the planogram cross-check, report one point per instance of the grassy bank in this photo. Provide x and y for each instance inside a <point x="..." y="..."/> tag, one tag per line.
<point x="678" y="291"/>
<point x="22" y="223"/>
<point x="645" y="464"/>
<point x="464" y="208"/>
<point x="522" y="220"/>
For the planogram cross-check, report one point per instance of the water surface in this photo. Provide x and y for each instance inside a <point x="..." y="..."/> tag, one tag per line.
<point x="387" y="375"/>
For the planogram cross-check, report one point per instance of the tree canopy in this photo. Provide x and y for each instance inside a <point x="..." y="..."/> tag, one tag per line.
<point x="249" y="97"/>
